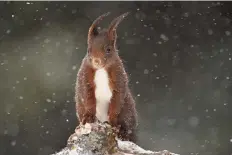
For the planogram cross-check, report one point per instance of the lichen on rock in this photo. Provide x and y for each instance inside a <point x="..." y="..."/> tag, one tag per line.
<point x="100" y="139"/>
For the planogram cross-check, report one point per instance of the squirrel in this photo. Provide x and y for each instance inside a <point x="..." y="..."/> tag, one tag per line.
<point x="102" y="92"/>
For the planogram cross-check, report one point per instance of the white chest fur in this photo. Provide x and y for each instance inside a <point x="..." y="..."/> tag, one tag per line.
<point x="103" y="94"/>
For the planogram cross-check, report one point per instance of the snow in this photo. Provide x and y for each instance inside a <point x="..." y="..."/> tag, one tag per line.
<point x="24" y="58"/>
<point x="193" y="121"/>
<point x="13" y="143"/>
<point x="74" y="11"/>
<point x="228" y="33"/>
<point x="74" y="67"/>
<point x="210" y="31"/>
<point x="155" y="54"/>
<point x="47" y="40"/>
<point x="48" y="100"/>
<point x="146" y="71"/>
<point x="20" y="97"/>
<point x="8" y="31"/>
<point x="186" y="14"/>
<point x="194" y="35"/>
<point x="48" y="74"/>
<point x="124" y="145"/>
<point x="164" y="37"/>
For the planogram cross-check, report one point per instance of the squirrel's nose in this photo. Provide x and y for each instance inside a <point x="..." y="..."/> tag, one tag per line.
<point x="96" y="61"/>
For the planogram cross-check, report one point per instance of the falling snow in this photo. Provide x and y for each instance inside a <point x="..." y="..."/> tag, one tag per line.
<point x="177" y="59"/>
<point x="13" y="143"/>
<point x="20" y="97"/>
<point x="24" y="58"/>
<point x="164" y="37"/>
<point x="48" y="100"/>
<point x="210" y="31"/>
<point x="48" y="74"/>
<point x="8" y="31"/>
<point x="146" y="71"/>
<point x="227" y="33"/>
<point x="74" y="67"/>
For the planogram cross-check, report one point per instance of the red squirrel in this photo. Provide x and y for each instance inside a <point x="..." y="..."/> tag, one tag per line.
<point x="102" y="91"/>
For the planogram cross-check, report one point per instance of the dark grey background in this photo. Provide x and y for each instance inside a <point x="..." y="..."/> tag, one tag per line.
<point x="177" y="54"/>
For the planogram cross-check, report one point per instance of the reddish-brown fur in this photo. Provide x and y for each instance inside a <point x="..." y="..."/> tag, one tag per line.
<point x="122" y="112"/>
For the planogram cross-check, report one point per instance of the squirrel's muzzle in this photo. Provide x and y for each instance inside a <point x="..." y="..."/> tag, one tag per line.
<point x="97" y="63"/>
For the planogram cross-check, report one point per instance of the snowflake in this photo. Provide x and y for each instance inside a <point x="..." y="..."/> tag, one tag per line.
<point x="8" y="31"/>
<point x="227" y="33"/>
<point x="193" y="121"/>
<point x="146" y="71"/>
<point x="48" y="100"/>
<point x="155" y="54"/>
<point x="13" y="143"/>
<point x="20" y="97"/>
<point x="164" y="37"/>
<point x="48" y="74"/>
<point x="74" y="67"/>
<point x="74" y="11"/>
<point x="186" y="14"/>
<point x="24" y="58"/>
<point x="46" y="41"/>
<point x="210" y="31"/>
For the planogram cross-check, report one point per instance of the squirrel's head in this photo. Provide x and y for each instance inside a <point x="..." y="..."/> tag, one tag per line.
<point x="102" y="43"/>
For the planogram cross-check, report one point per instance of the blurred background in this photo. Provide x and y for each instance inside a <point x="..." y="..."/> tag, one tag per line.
<point x="178" y="56"/>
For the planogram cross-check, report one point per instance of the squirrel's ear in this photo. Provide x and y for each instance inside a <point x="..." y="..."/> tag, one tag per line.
<point x="93" y="28"/>
<point x="113" y="26"/>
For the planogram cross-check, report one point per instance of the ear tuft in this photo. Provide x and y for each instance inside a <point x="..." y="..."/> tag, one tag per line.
<point x="93" y="31"/>
<point x="114" y="24"/>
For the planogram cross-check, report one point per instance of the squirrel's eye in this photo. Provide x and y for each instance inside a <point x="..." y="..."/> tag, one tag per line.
<point x="108" y="50"/>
